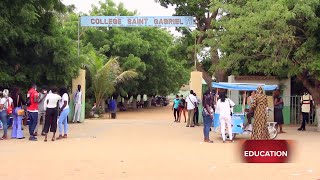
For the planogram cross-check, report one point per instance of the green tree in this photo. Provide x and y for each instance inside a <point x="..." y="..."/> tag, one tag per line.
<point x="33" y="47"/>
<point x="106" y="76"/>
<point x="204" y="18"/>
<point x="273" y="37"/>
<point x="143" y="49"/>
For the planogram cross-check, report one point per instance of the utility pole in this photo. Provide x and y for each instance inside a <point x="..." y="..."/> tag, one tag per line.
<point x="79" y="37"/>
<point x="195" y="53"/>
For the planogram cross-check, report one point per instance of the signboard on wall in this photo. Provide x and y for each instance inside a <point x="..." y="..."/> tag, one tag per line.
<point x="137" y="21"/>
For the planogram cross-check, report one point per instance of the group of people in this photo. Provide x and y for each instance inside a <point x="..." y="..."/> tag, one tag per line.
<point x="49" y="105"/>
<point x="190" y="105"/>
<point x="257" y="107"/>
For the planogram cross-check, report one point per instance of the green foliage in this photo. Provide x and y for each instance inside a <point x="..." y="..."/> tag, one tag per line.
<point x="271" y="37"/>
<point x="106" y="76"/>
<point x="33" y="47"/>
<point x="143" y="49"/>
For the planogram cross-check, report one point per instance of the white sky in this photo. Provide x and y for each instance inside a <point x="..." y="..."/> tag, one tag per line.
<point x="144" y="7"/>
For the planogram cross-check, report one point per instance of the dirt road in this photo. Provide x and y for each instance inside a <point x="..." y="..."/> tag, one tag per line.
<point x="147" y="145"/>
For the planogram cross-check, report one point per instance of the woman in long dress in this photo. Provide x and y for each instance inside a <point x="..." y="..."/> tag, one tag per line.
<point x="278" y="114"/>
<point x="259" y="106"/>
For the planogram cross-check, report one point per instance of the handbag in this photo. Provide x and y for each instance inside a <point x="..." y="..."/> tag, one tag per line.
<point x="20" y="112"/>
<point x="9" y="108"/>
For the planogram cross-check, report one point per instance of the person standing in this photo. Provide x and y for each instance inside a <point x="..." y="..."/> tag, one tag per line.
<point x="224" y="109"/>
<point x="64" y="112"/>
<point x="6" y="108"/>
<point x="250" y="114"/>
<point x="191" y="105"/>
<point x="42" y="111"/>
<point x="278" y="107"/>
<point x="259" y="106"/>
<point x="3" y="115"/>
<point x="77" y="105"/>
<point x="18" y="102"/>
<point x="306" y="101"/>
<point x="182" y="109"/>
<point x="33" y="110"/>
<point x="196" y="111"/>
<point x="51" y="113"/>
<point x="207" y="114"/>
<point x="175" y="108"/>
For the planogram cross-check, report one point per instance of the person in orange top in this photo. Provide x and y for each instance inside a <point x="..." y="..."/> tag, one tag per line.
<point x="32" y="104"/>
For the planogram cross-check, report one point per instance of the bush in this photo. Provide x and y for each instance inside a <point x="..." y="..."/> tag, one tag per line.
<point x="89" y="106"/>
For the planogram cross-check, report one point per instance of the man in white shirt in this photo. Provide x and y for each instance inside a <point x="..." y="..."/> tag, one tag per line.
<point x="306" y="105"/>
<point x="191" y="101"/>
<point x="77" y="105"/>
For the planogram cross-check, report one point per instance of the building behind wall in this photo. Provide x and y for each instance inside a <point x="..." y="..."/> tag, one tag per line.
<point x="285" y="86"/>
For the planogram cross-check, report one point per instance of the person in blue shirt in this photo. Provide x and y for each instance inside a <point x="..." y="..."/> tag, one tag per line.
<point x="175" y="108"/>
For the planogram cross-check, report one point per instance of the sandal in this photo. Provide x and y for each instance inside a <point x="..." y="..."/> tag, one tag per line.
<point x="60" y="137"/>
<point x="45" y="140"/>
<point x="65" y="136"/>
<point x="209" y="141"/>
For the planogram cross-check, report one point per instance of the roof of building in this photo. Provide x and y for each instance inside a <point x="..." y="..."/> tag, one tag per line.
<point x="255" y="77"/>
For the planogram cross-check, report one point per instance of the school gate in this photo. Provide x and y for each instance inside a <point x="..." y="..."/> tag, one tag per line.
<point x="132" y="21"/>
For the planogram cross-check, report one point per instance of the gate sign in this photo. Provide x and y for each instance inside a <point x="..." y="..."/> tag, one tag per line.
<point x="137" y="21"/>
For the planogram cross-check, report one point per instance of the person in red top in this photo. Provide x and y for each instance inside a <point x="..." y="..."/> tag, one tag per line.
<point x="32" y="103"/>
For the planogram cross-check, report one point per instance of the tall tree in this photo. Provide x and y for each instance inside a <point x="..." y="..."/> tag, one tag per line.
<point x="33" y="47"/>
<point x="143" y="49"/>
<point x="200" y="9"/>
<point x="273" y="37"/>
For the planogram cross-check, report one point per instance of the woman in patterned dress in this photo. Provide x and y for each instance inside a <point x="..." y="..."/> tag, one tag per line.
<point x="259" y="106"/>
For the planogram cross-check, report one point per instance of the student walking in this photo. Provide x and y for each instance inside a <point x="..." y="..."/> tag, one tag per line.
<point x="64" y="112"/>
<point x="175" y="108"/>
<point x="3" y="115"/>
<point x="51" y="113"/>
<point x="224" y="109"/>
<point x="207" y="114"/>
<point x="306" y="101"/>
<point x="191" y="105"/>
<point x="18" y="112"/>
<point x="42" y="111"/>
<point x="182" y="109"/>
<point x="33" y="110"/>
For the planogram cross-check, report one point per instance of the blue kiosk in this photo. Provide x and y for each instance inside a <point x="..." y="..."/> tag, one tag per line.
<point x="238" y="119"/>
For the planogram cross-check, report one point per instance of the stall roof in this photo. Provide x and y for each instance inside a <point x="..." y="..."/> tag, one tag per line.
<point x="243" y="86"/>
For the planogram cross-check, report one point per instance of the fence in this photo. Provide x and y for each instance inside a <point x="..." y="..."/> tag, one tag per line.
<point x="291" y="111"/>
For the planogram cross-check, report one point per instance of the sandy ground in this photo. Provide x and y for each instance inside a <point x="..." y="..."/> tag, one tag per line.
<point x="147" y="145"/>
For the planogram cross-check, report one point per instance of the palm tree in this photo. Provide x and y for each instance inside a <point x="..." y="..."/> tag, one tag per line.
<point x="105" y="77"/>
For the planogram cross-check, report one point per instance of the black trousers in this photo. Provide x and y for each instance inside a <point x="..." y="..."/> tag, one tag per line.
<point x="305" y="118"/>
<point x="176" y="114"/>
<point x="196" y="116"/>
<point x="51" y="120"/>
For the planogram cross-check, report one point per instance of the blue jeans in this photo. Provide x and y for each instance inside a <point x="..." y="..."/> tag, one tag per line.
<point x="33" y="117"/>
<point x="4" y="119"/>
<point x="64" y="119"/>
<point x="17" y="124"/>
<point x="207" y="122"/>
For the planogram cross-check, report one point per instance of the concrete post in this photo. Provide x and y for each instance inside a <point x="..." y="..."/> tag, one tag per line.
<point x="196" y="86"/>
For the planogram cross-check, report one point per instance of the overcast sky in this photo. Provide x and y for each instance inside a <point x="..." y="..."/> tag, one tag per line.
<point x="144" y="7"/>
